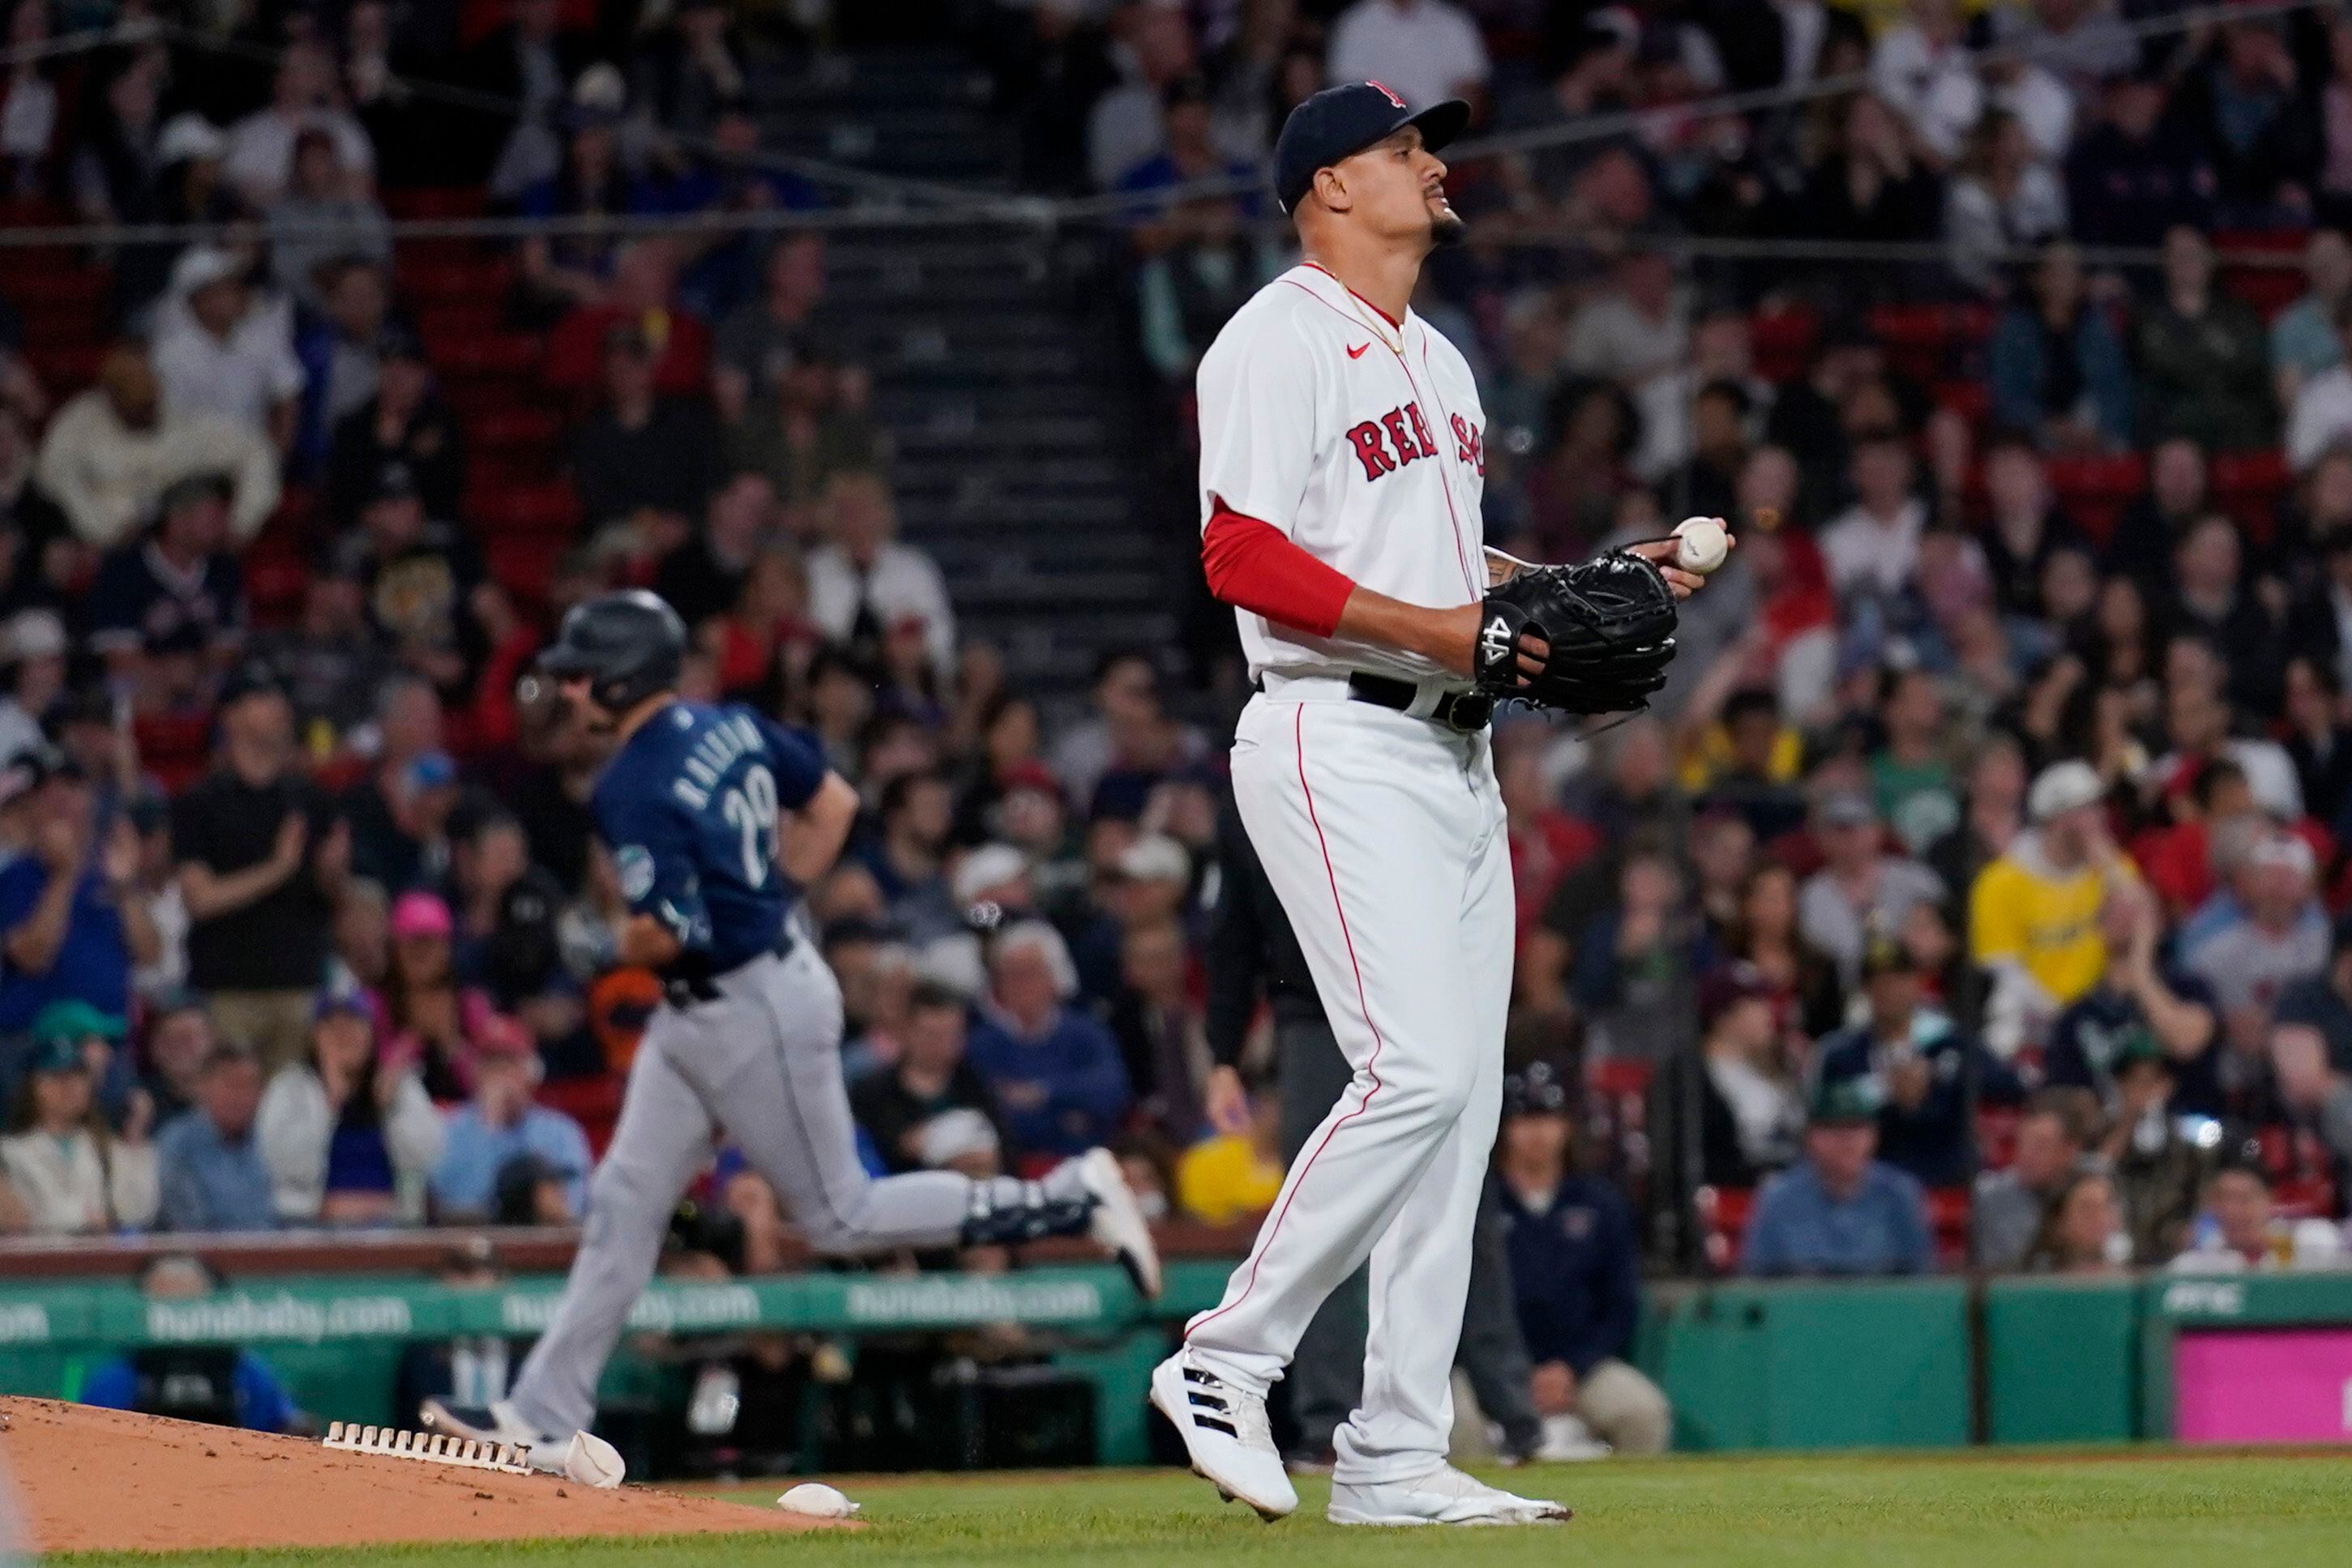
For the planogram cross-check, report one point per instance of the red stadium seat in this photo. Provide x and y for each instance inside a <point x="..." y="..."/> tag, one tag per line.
<point x="1723" y="1212"/>
<point x="450" y="320"/>
<point x="1972" y="323"/>
<point x="1926" y="342"/>
<point x="1996" y="1135"/>
<point x="2307" y="1197"/>
<point x="1914" y="336"/>
<point x="2093" y="491"/>
<point x="503" y="356"/>
<point x="523" y="564"/>
<point x="298" y="510"/>
<point x="2248" y="485"/>
<point x="474" y="400"/>
<point x="594" y="1102"/>
<point x="32" y="212"/>
<point x="523" y="429"/>
<point x="509" y="470"/>
<point x="1947" y="1216"/>
<point x="76" y="288"/>
<point x="544" y="509"/>
<point x="275" y="587"/>
<point x="2269" y="289"/>
<point x="65" y="368"/>
<point x="451" y="280"/>
<point x="1780" y="341"/>
<point x="174" y="747"/>
<point x="1620" y="1077"/>
<point x="2259" y="242"/>
<point x="437" y="202"/>
<point x="1971" y="400"/>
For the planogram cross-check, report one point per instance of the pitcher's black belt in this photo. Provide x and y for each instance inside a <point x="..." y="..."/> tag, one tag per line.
<point x="683" y="991"/>
<point x="1463" y="711"/>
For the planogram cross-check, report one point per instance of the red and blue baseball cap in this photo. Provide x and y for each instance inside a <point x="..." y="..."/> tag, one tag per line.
<point x="1341" y="122"/>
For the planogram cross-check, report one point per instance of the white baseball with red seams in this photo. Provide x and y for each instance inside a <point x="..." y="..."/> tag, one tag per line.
<point x="1363" y="440"/>
<point x="1701" y="544"/>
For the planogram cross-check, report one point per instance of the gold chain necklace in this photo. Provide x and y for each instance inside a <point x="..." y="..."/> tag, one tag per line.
<point x="1392" y="337"/>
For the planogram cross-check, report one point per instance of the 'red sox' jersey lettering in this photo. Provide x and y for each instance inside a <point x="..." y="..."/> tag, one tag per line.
<point x="1356" y="435"/>
<point x="1397" y="437"/>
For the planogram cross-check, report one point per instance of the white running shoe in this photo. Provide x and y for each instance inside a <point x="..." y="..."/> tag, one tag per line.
<point x="1444" y="1496"/>
<point x="583" y="1457"/>
<point x="1116" y="1224"/>
<point x="1566" y="1438"/>
<point x="1225" y="1432"/>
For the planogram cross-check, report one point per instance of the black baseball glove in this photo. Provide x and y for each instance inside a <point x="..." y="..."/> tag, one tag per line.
<point x="1609" y="624"/>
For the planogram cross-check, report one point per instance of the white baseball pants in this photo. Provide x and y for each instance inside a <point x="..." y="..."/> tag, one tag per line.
<point x="1383" y="836"/>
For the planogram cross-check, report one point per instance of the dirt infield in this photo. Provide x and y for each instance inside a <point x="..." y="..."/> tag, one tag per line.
<point x="94" y="1480"/>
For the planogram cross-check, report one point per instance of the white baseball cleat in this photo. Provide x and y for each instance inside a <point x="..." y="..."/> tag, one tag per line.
<point x="583" y="1457"/>
<point x="1116" y="1224"/>
<point x="1225" y="1434"/>
<point x="1444" y="1496"/>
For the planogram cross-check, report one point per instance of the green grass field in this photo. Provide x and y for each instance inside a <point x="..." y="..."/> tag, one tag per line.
<point x="2157" y="1510"/>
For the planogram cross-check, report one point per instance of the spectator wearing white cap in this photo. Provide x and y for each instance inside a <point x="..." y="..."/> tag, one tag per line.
<point x="991" y="888"/>
<point x="1860" y="887"/>
<point x="995" y="879"/>
<point x="32" y="650"/>
<point x="221" y="348"/>
<point x="189" y="138"/>
<point x="1054" y="1072"/>
<point x="2034" y="914"/>
<point x="2269" y="933"/>
<point x="1155" y="875"/>
<point x="113" y="449"/>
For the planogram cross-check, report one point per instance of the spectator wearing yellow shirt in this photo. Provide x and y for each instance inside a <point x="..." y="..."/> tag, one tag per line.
<point x="2034" y="914"/>
<point x="1234" y="1175"/>
<point x="1747" y="759"/>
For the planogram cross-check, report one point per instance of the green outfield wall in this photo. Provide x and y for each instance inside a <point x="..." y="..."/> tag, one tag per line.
<point x="1932" y="1363"/>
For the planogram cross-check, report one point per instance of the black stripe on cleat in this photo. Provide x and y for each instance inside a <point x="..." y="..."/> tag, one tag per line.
<point x="1215" y="1425"/>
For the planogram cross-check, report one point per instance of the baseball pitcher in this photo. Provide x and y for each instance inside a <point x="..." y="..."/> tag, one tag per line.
<point x="1343" y="459"/>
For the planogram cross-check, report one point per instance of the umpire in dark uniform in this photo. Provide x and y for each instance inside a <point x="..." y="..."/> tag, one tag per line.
<point x="1253" y="954"/>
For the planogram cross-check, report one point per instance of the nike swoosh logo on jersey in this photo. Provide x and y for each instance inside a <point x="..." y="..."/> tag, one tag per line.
<point x="1357" y="352"/>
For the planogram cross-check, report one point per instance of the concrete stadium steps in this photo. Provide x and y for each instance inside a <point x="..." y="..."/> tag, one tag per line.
<point x="918" y="114"/>
<point x="994" y="370"/>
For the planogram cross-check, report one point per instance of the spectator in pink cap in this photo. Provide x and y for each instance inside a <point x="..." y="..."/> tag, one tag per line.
<point x="432" y="1023"/>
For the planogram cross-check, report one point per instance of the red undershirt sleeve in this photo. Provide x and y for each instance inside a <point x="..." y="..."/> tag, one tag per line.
<point x="1255" y="566"/>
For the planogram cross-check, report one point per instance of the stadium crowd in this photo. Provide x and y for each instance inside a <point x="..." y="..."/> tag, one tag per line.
<point x="1975" y="894"/>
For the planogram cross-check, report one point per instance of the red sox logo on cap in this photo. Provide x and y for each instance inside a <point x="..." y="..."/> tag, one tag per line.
<point x="1386" y="91"/>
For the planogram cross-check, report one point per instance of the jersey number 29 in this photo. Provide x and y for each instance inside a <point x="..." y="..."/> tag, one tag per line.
<point x="751" y="808"/>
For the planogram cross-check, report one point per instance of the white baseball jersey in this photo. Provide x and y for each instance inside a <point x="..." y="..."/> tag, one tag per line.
<point x="1360" y="440"/>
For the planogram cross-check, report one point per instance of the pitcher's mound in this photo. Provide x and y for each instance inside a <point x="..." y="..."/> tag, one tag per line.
<point x="102" y="1480"/>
